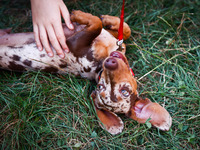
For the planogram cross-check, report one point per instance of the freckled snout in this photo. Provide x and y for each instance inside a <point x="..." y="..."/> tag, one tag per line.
<point x="111" y="63"/>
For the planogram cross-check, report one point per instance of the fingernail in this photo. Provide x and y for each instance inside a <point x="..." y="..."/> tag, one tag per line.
<point x="71" y="26"/>
<point x="50" y="54"/>
<point x="66" y="50"/>
<point x="40" y="48"/>
<point x="61" y="56"/>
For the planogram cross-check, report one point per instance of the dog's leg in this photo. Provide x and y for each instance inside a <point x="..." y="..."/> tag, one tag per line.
<point x="5" y="31"/>
<point x="112" y="23"/>
<point x="80" y="43"/>
<point x="144" y="109"/>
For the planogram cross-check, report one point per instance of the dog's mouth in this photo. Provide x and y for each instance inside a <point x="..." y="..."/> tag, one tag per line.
<point x="118" y="55"/>
<point x="112" y="63"/>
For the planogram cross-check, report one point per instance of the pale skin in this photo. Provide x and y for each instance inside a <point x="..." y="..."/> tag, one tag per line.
<point x="47" y="25"/>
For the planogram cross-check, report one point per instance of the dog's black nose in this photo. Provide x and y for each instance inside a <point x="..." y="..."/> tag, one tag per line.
<point x="111" y="63"/>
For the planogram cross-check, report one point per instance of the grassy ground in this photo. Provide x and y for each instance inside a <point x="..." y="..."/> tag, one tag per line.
<point x="44" y="111"/>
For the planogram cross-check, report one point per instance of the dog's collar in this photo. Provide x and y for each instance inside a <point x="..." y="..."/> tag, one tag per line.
<point x="100" y="72"/>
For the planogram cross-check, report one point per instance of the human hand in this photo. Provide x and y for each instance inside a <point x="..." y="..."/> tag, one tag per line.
<point x="47" y="25"/>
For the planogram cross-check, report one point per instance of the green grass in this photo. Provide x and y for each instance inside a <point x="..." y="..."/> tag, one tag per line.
<point x="44" y="111"/>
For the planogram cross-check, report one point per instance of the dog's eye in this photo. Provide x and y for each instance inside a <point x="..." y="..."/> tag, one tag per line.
<point x="125" y="93"/>
<point x="100" y="87"/>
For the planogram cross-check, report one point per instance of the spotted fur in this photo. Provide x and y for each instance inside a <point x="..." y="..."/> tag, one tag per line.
<point x="26" y="56"/>
<point x="91" y="49"/>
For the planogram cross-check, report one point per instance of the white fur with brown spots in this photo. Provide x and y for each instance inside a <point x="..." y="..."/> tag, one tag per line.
<point x="92" y="49"/>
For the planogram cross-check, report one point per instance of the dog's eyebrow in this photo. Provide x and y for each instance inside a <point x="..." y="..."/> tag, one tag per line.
<point x="126" y="86"/>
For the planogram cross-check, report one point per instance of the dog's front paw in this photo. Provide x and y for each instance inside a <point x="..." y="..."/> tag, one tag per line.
<point x="110" y="22"/>
<point x="80" y="17"/>
<point x="75" y="14"/>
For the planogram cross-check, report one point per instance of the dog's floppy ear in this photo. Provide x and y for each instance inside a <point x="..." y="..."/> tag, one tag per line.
<point x="109" y="120"/>
<point x="145" y="109"/>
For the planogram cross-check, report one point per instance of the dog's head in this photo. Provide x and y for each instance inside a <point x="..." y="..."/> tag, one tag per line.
<point x="117" y="93"/>
<point x="116" y="88"/>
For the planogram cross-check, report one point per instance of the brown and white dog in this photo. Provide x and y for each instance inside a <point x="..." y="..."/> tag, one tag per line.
<point x="92" y="54"/>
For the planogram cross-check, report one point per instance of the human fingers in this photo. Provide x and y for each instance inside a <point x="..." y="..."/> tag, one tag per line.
<point x="55" y="40"/>
<point x="66" y="16"/>
<point x="58" y="29"/>
<point x="37" y="38"/>
<point x="44" y="41"/>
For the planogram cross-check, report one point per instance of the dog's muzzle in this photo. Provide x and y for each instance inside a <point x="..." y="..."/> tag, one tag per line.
<point x="111" y="62"/>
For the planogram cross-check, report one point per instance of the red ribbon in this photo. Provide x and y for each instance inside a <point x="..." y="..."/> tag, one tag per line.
<point x="120" y="31"/>
<point x="132" y="72"/>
